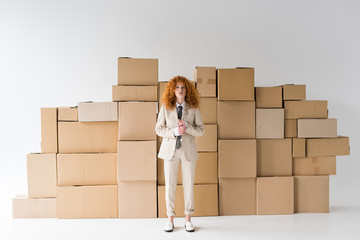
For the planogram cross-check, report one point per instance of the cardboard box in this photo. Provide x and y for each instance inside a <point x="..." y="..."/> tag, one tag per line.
<point x="269" y="123"/>
<point x="291" y="128"/>
<point x="305" y="109"/>
<point x="236" y="120"/>
<point x="41" y="175"/>
<point x="237" y="158"/>
<point x="49" y="131"/>
<point x="89" y="137"/>
<point x="299" y="147"/>
<point x="205" y="201"/>
<point x="24" y="207"/>
<point x="237" y="196"/>
<point x="87" y="201"/>
<point x="162" y="86"/>
<point x="236" y="84"/>
<point x="206" y="170"/>
<point x="311" y="194"/>
<point x="98" y="112"/>
<point x="205" y="77"/>
<point x="137" y="71"/>
<point x="68" y="114"/>
<point x="317" y="147"/>
<point x="137" y="121"/>
<point x="314" y="166"/>
<point x="317" y="128"/>
<point x="274" y="195"/>
<point x="208" y="110"/>
<point x="134" y="93"/>
<point x="137" y="199"/>
<point x="294" y="92"/>
<point x="136" y="160"/>
<point x="86" y="169"/>
<point x="268" y="97"/>
<point x="208" y="141"/>
<point x="274" y="157"/>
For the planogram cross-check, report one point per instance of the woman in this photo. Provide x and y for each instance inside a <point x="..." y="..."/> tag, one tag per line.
<point x="179" y="122"/>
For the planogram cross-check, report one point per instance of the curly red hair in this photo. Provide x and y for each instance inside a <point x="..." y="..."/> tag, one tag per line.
<point x="191" y="97"/>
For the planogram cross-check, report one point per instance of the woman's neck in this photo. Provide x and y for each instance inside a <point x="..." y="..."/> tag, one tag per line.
<point x="180" y="101"/>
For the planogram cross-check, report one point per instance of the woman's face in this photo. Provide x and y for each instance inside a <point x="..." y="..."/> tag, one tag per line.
<point x="180" y="91"/>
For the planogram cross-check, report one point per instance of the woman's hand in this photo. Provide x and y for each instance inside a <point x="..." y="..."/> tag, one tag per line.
<point x="181" y="126"/>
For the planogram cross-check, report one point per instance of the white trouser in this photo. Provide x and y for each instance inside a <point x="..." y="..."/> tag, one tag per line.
<point x="171" y="168"/>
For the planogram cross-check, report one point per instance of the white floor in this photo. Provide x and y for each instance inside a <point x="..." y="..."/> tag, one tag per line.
<point x="343" y="222"/>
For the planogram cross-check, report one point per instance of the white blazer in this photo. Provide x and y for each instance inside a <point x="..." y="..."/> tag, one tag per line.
<point x="167" y="121"/>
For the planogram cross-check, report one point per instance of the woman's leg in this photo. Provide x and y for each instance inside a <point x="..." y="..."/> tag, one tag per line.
<point x="171" y="168"/>
<point x="188" y="174"/>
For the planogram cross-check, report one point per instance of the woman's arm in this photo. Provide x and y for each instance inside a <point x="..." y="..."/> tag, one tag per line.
<point x="196" y="129"/>
<point x="161" y="128"/>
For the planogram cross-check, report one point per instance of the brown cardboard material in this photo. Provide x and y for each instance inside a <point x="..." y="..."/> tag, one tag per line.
<point x="236" y="120"/>
<point x="206" y="170"/>
<point x="305" y="109"/>
<point x="208" y="141"/>
<point x="327" y="146"/>
<point x="314" y="166"/>
<point x="137" y="199"/>
<point x="311" y="194"/>
<point x="41" y="175"/>
<point x="269" y="123"/>
<point x="89" y="137"/>
<point x="87" y="201"/>
<point x="294" y="92"/>
<point x="299" y="147"/>
<point x="208" y="110"/>
<point x="205" y="201"/>
<point x="137" y="121"/>
<point x="268" y="97"/>
<point x="236" y="84"/>
<point x="317" y="128"/>
<point x="68" y="114"/>
<point x="49" y="131"/>
<point x="137" y="71"/>
<point x="205" y="77"/>
<point x="274" y="157"/>
<point x="134" y="93"/>
<point x="136" y="160"/>
<point x="161" y="86"/>
<point x="86" y="169"/>
<point x="274" y="195"/>
<point x="237" y="196"/>
<point x="98" y="112"/>
<point x="237" y="158"/>
<point x="290" y="128"/>
<point x="24" y="207"/>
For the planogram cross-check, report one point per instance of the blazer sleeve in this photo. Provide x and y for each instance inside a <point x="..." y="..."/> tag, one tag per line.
<point x="161" y="128"/>
<point x="196" y="129"/>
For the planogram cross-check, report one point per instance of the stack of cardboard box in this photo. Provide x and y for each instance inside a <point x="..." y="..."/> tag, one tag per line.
<point x="75" y="175"/>
<point x="41" y="172"/>
<point x="274" y="183"/>
<point x="137" y="95"/>
<point x="266" y="150"/>
<point x="315" y="147"/>
<point x="237" y="144"/>
<point x="86" y="162"/>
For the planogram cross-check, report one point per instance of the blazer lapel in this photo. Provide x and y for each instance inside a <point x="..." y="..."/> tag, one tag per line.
<point x="174" y="115"/>
<point x="185" y="112"/>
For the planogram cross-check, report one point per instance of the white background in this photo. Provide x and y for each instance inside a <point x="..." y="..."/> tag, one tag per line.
<point x="58" y="53"/>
